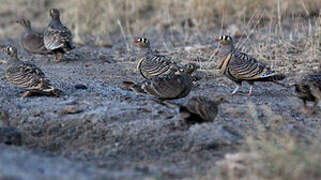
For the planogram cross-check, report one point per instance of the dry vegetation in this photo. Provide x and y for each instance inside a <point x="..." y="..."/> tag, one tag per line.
<point x="271" y="153"/>
<point x="286" y="32"/>
<point x="106" y="17"/>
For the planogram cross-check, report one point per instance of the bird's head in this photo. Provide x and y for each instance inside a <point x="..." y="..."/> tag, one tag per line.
<point x="191" y="67"/>
<point x="220" y="99"/>
<point x="10" y="50"/>
<point x="142" y="42"/>
<point x="225" y="40"/>
<point x="54" y="13"/>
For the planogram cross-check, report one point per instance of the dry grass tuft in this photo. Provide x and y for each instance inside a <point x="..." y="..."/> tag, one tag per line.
<point x="100" y="17"/>
<point x="280" y="157"/>
<point x="270" y="152"/>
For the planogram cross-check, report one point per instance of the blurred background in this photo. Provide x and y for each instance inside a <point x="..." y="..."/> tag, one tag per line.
<point x="103" y="19"/>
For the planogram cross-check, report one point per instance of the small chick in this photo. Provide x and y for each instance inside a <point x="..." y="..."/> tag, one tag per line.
<point x="309" y="89"/>
<point x="200" y="109"/>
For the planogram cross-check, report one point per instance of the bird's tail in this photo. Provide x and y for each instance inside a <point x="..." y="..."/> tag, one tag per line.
<point x="272" y="76"/>
<point x="53" y="91"/>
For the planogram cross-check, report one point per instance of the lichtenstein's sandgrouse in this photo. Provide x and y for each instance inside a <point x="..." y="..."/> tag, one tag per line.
<point x="238" y="66"/>
<point x="170" y="86"/>
<point x="57" y="37"/>
<point x="27" y="76"/>
<point x="309" y="89"/>
<point x="151" y="64"/>
<point x="30" y="40"/>
<point x="200" y="109"/>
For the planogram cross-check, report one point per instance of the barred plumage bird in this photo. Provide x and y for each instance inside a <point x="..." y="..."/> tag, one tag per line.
<point x="151" y="64"/>
<point x="309" y="89"/>
<point x="30" y="40"/>
<point x="27" y="76"/>
<point x="170" y="86"/>
<point x="239" y="66"/>
<point x="200" y="109"/>
<point x="57" y="37"/>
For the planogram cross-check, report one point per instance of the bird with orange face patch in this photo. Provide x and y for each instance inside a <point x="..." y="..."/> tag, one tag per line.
<point x="151" y="64"/>
<point x="239" y="66"/>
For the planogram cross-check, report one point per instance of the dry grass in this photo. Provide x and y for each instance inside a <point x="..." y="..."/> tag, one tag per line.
<point x="102" y="17"/>
<point x="270" y="152"/>
<point x="279" y="157"/>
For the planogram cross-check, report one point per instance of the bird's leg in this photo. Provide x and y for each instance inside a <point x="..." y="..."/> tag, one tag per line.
<point x="314" y="109"/>
<point x="305" y="110"/>
<point x="26" y="94"/>
<point x="238" y="86"/>
<point x="59" y="56"/>
<point x="251" y="89"/>
<point x="281" y="84"/>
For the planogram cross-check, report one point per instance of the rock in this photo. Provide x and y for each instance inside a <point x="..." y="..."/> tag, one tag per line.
<point x="80" y="86"/>
<point x="4" y="119"/>
<point x="10" y="136"/>
<point x="70" y="109"/>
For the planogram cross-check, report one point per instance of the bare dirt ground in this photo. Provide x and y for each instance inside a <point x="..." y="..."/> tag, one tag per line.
<point x="105" y="132"/>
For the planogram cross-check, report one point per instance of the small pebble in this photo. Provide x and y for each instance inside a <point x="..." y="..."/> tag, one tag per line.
<point x="10" y="136"/>
<point x="70" y="109"/>
<point x="80" y="86"/>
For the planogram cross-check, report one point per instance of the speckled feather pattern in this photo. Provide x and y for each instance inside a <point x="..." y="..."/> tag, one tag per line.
<point x="200" y="109"/>
<point x="28" y="77"/>
<point x="309" y="88"/>
<point x="58" y="36"/>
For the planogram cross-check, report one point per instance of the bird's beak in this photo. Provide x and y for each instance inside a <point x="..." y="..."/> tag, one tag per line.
<point x="218" y="40"/>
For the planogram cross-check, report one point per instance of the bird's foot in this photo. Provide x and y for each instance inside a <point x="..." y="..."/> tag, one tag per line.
<point x="236" y="90"/>
<point x="26" y="94"/>
<point x="57" y="60"/>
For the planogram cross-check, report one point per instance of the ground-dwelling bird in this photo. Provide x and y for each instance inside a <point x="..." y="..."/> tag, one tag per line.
<point x="239" y="66"/>
<point x="30" y="40"/>
<point x="189" y="68"/>
<point x="201" y="109"/>
<point x="170" y="86"/>
<point x="151" y="64"/>
<point x="308" y="88"/>
<point x="57" y="37"/>
<point x="27" y="76"/>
